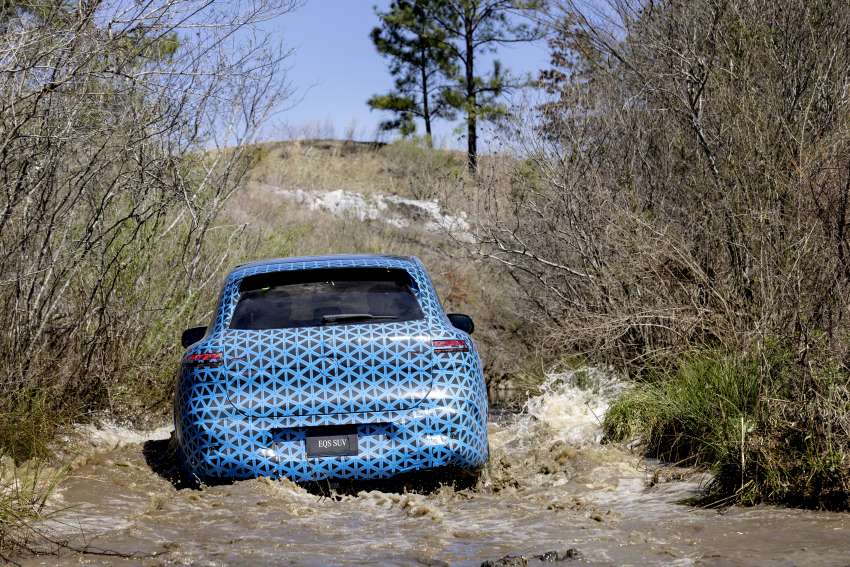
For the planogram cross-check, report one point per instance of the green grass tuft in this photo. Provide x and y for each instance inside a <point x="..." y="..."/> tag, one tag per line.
<point x="739" y="417"/>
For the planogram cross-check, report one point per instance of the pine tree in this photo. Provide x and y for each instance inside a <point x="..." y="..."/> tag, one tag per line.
<point x="419" y="61"/>
<point x="473" y="28"/>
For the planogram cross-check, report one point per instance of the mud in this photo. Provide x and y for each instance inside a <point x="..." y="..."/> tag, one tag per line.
<point x="551" y="495"/>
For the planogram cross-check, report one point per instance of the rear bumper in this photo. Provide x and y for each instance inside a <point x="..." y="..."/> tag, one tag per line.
<point x="439" y="433"/>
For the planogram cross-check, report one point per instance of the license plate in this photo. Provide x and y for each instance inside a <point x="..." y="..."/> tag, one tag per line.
<point x="332" y="442"/>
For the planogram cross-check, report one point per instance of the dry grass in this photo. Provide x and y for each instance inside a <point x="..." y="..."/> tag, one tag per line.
<point x="24" y="492"/>
<point x="405" y="168"/>
<point x="323" y="165"/>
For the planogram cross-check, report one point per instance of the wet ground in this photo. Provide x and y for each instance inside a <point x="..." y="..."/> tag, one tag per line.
<point x="550" y="487"/>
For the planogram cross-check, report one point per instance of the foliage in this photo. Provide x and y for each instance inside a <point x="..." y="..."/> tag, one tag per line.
<point x="419" y="61"/>
<point x="693" y="412"/>
<point x="435" y="48"/>
<point x="111" y="183"/>
<point x="746" y="419"/>
<point x="688" y="200"/>
<point x="474" y="28"/>
<point x="691" y="196"/>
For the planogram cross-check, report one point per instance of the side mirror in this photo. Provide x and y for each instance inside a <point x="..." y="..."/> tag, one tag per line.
<point x="191" y="336"/>
<point x="462" y="322"/>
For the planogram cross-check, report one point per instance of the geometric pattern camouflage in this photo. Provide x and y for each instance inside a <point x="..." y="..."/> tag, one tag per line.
<point x="411" y="408"/>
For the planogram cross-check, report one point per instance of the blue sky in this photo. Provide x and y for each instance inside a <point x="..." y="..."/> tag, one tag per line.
<point x="336" y="69"/>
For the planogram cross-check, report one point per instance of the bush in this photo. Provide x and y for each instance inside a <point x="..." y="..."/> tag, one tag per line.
<point x="666" y="203"/>
<point x="746" y="419"/>
<point x="689" y="193"/>
<point x="112" y="189"/>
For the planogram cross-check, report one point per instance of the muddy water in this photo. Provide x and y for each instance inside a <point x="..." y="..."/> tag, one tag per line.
<point x="550" y="487"/>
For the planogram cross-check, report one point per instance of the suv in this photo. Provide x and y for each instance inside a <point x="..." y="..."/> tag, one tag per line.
<point x="330" y="367"/>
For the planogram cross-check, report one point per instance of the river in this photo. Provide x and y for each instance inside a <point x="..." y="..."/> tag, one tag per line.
<point x="550" y="486"/>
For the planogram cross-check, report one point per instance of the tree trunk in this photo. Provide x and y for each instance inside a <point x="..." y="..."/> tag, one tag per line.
<point x="426" y="111"/>
<point x="471" y="106"/>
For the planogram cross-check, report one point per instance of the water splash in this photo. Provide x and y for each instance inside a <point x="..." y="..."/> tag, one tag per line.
<point x="569" y="409"/>
<point x="110" y="435"/>
<point x="573" y="403"/>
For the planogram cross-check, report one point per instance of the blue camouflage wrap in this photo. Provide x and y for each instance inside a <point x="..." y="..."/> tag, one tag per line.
<point x="413" y="409"/>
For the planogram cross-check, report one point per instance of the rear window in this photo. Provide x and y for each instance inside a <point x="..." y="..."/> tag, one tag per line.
<point x="313" y="298"/>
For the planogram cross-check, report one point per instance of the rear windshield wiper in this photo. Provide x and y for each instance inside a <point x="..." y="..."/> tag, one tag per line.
<point x="354" y="317"/>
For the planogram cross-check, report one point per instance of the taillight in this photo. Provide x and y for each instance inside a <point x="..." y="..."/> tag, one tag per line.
<point x="204" y="358"/>
<point x="449" y="345"/>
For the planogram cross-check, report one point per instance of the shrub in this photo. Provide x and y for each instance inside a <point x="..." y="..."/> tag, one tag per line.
<point x="691" y="195"/>
<point x="111" y="187"/>
<point x="665" y="202"/>
<point x="746" y="419"/>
